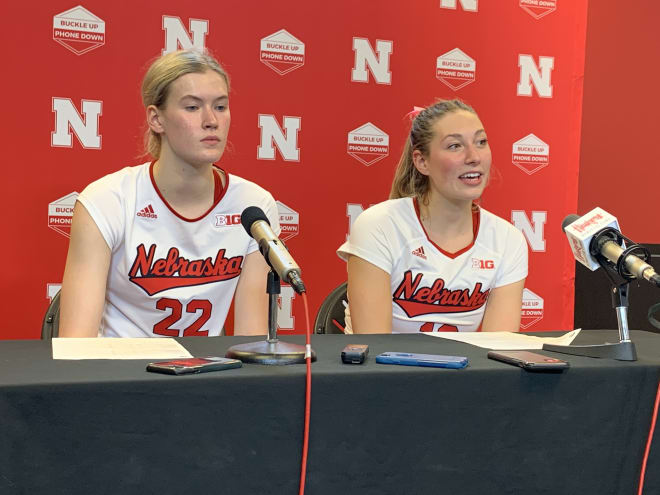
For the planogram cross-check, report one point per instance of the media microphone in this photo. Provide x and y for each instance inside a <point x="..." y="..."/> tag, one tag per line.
<point x="597" y="234"/>
<point x="256" y="224"/>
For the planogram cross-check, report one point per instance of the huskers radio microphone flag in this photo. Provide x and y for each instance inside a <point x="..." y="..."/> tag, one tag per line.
<point x="597" y="234"/>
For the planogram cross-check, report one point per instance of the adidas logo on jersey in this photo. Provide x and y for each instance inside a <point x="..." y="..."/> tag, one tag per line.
<point x="419" y="252"/>
<point x="147" y="212"/>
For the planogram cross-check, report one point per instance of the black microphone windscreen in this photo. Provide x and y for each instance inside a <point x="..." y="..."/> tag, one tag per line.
<point x="250" y="215"/>
<point x="569" y="220"/>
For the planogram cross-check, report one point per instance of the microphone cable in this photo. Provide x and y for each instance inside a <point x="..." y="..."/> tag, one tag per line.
<point x="648" y="441"/>
<point x="308" y="398"/>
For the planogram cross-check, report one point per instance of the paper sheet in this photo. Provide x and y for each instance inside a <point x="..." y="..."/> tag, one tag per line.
<point x="501" y="341"/>
<point x="120" y="348"/>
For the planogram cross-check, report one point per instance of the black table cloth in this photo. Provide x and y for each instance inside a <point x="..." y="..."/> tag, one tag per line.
<point x="97" y="427"/>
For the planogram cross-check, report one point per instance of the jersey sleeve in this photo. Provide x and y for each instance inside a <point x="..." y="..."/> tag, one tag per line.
<point x="370" y="239"/>
<point x="103" y="200"/>
<point x="514" y="261"/>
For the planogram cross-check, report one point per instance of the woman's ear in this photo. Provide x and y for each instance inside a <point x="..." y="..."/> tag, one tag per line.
<point x="420" y="162"/>
<point x="154" y="119"/>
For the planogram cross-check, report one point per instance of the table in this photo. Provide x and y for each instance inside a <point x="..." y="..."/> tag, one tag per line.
<point x="96" y="427"/>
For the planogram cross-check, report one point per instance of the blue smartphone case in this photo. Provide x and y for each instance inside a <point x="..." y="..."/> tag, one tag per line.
<point x="412" y="359"/>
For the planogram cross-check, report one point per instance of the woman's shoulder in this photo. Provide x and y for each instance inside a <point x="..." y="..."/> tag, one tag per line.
<point x="120" y="179"/>
<point x="391" y="211"/>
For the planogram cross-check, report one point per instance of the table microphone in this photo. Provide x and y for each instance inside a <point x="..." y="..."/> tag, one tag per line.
<point x="256" y="224"/>
<point x="598" y="233"/>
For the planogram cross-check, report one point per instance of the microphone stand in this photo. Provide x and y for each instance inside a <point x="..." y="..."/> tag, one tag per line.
<point x="272" y="350"/>
<point x="624" y="350"/>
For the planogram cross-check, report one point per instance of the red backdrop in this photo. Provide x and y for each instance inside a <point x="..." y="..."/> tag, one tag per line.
<point x="319" y="95"/>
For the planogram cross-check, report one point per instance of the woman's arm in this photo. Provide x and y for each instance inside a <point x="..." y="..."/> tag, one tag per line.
<point x="369" y="297"/>
<point x="85" y="278"/>
<point x="503" y="308"/>
<point x="251" y="299"/>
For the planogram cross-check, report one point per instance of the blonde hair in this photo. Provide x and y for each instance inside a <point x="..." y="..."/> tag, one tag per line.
<point x="162" y="73"/>
<point x="408" y="181"/>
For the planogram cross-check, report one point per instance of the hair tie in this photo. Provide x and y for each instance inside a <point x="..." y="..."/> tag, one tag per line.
<point x="414" y="112"/>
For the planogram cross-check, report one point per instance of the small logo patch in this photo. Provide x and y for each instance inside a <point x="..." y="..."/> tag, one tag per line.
<point x="147" y="212"/>
<point x="419" y="252"/>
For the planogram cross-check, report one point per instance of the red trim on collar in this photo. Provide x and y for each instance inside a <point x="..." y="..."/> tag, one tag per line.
<point x="476" y="218"/>
<point x="218" y="192"/>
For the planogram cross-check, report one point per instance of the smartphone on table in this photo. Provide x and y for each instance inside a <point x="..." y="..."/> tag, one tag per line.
<point x="430" y="360"/>
<point x="194" y="365"/>
<point x="528" y="360"/>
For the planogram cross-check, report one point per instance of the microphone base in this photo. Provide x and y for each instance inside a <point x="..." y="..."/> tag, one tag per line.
<point x="269" y="352"/>
<point x="621" y="351"/>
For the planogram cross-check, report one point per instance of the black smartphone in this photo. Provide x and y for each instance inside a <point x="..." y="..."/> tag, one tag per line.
<point x="194" y="365"/>
<point x="531" y="361"/>
<point x="354" y="354"/>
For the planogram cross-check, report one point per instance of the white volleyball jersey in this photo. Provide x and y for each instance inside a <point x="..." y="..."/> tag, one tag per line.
<point x="170" y="276"/>
<point x="433" y="290"/>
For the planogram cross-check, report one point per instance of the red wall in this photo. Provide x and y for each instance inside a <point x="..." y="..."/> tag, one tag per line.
<point x="506" y="39"/>
<point x="619" y="161"/>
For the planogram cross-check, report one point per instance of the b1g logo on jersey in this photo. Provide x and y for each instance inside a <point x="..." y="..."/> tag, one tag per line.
<point x="467" y="5"/>
<point x="530" y="154"/>
<point x="456" y="69"/>
<point x="60" y="213"/>
<point x="289" y="221"/>
<point x="368" y="144"/>
<point x="282" y="52"/>
<point x="532" y="309"/>
<point x="478" y="264"/>
<point x="227" y="220"/>
<point x="78" y="30"/>
<point x="538" y="8"/>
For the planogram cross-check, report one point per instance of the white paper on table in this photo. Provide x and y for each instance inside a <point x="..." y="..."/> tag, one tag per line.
<point x="118" y="348"/>
<point x="508" y="341"/>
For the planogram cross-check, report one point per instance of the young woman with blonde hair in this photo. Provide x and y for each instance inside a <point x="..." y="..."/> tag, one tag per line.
<point x="158" y="249"/>
<point x="430" y="259"/>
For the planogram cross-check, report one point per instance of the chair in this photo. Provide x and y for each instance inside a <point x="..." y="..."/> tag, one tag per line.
<point x="51" y="324"/>
<point x="331" y="311"/>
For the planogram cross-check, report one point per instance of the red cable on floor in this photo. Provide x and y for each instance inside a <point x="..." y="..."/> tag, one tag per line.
<point x="308" y="398"/>
<point x="648" y="441"/>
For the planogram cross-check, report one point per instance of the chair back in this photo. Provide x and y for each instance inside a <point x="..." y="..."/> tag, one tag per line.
<point x="51" y="324"/>
<point x="331" y="311"/>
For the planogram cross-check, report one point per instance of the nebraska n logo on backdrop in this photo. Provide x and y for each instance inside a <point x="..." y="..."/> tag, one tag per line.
<point x="273" y="136"/>
<point x="177" y="37"/>
<point x="534" y="231"/>
<point x="379" y="65"/>
<point x="538" y="76"/>
<point x="68" y="119"/>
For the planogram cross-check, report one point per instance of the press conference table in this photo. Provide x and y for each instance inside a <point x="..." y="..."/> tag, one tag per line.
<point x="97" y="427"/>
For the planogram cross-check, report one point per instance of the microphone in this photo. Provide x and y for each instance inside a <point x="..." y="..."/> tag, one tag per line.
<point x="256" y="224"/>
<point x="597" y="234"/>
